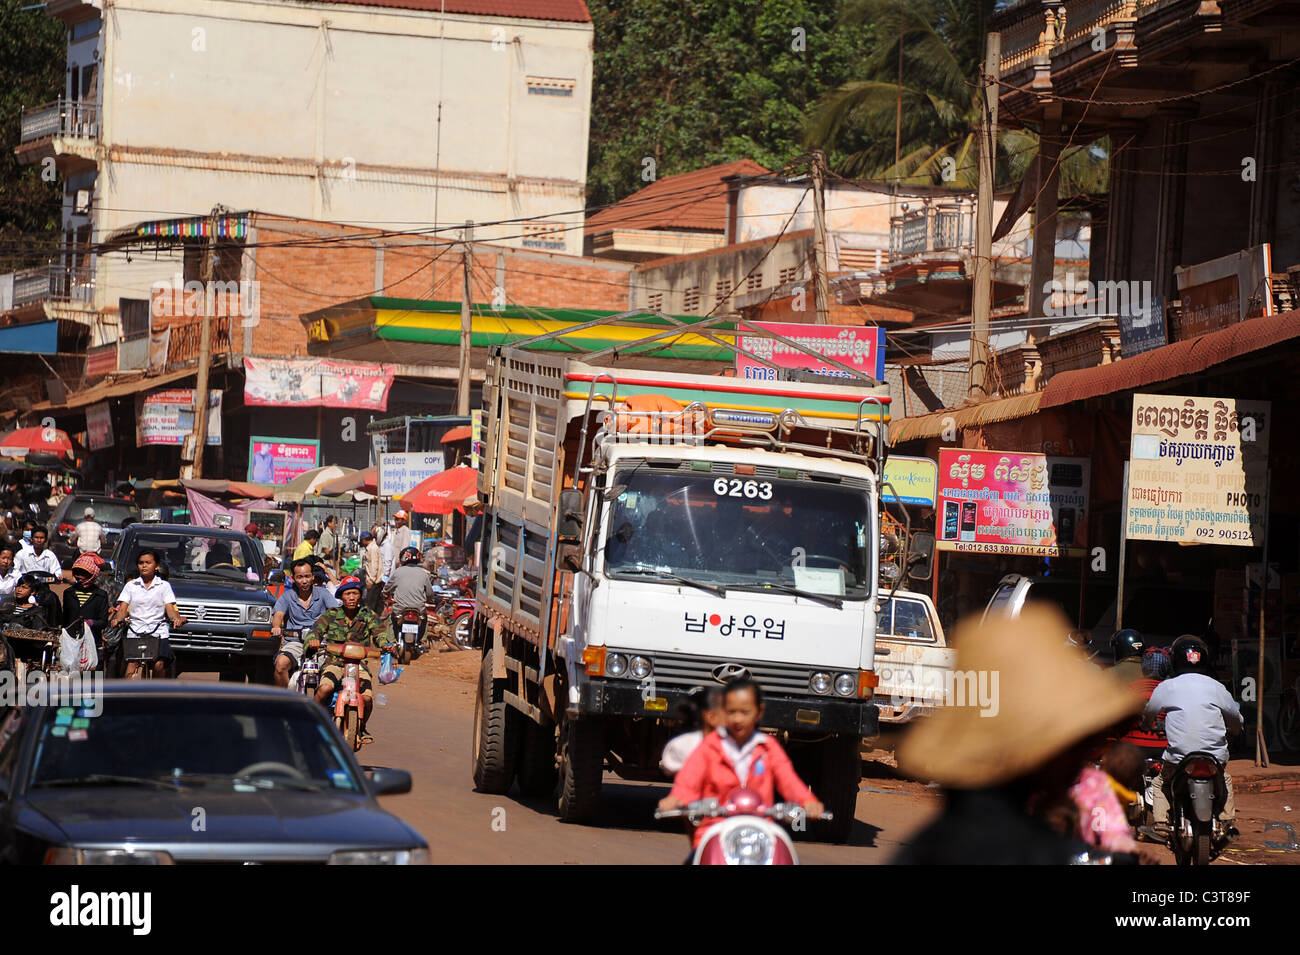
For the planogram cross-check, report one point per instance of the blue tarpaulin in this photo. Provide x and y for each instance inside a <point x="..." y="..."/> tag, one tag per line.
<point x="36" y="338"/>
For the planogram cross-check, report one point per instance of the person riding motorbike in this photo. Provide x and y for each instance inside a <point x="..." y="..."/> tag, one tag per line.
<point x="409" y="587"/>
<point x="32" y="606"/>
<point x="298" y="608"/>
<point x="85" y="601"/>
<point x="349" y="623"/>
<point x="1126" y="645"/>
<point x="1200" y="714"/>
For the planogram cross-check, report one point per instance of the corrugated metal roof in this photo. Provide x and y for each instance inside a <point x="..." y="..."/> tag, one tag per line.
<point x="569" y="11"/>
<point x="988" y="412"/>
<point x="1171" y="361"/>
<point x="695" y="200"/>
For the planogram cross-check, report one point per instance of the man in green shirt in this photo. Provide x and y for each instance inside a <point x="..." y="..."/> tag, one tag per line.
<point x="350" y="623"/>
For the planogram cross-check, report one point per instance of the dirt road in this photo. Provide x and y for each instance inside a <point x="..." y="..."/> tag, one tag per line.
<point x="425" y="728"/>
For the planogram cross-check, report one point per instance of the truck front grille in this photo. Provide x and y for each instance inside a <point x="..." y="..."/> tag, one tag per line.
<point x="682" y="671"/>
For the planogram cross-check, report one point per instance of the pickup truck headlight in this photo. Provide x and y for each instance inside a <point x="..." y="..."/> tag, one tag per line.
<point x="259" y="614"/>
<point x="381" y="857"/>
<point x="72" y="856"/>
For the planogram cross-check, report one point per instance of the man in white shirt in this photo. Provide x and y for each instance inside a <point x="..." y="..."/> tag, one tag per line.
<point x="8" y="572"/>
<point x="39" y="557"/>
<point x="90" y="533"/>
<point x="401" y="532"/>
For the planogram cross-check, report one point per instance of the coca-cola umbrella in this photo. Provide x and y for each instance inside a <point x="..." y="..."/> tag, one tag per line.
<point x="443" y="493"/>
<point x="25" y="441"/>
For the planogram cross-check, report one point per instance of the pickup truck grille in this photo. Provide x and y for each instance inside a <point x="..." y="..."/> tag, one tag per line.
<point x="180" y="640"/>
<point x="683" y="671"/>
<point x="201" y="613"/>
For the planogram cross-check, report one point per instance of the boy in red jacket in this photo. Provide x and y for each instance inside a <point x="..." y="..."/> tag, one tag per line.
<point x="736" y="755"/>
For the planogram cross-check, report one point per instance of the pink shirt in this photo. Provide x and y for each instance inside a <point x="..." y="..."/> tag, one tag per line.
<point x="1102" y="821"/>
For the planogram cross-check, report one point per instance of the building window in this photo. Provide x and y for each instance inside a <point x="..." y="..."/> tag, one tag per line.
<point x="754" y="282"/>
<point x="550" y="86"/>
<point x="134" y="313"/>
<point x="655" y="301"/>
<point x="691" y="298"/>
<point x="543" y="235"/>
<point x="789" y="275"/>
<point x="722" y="290"/>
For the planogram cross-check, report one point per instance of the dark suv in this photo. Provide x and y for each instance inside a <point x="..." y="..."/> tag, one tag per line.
<point x="216" y="574"/>
<point x="112" y="513"/>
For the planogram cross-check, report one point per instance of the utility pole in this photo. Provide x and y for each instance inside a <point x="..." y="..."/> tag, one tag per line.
<point x="462" y="385"/>
<point x="982" y="290"/>
<point x="205" y="347"/>
<point x="820" y="284"/>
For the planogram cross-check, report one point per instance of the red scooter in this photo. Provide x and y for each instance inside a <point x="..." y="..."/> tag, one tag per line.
<point x="746" y="832"/>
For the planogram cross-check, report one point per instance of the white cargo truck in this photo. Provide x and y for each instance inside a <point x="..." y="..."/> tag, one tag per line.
<point x="649" y="532"/>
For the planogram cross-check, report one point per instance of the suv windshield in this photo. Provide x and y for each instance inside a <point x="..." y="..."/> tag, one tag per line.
<point x="145" y="739"/>
<point x="738" y="530"/>
<point x="229" y="557"/>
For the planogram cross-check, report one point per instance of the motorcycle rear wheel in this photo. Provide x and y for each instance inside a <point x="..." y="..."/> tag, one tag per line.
<point x="1201" y="845"/>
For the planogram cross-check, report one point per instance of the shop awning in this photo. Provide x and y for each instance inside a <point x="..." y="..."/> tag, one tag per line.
<point x="217" y="486"/>
<point x="1171" y="361"/>
<point x="115" y="389"/>
<point x="987" y="412"/>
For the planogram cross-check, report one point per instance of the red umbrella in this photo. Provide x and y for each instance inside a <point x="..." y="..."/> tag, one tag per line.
<point x="27" y="441"/>
<point x="443" y="493"/>
<point x="463" y="433"/>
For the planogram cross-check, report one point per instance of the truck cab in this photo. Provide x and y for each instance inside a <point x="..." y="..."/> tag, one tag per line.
<point x="216" y="575"/>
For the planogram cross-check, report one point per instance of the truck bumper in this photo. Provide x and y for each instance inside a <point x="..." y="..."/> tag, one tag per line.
<point x="810" y="714"/>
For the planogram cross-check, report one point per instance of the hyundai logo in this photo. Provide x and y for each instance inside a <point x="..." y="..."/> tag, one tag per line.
<point x="726" y="672"/>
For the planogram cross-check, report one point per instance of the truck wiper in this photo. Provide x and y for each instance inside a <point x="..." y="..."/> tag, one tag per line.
<point x="826" y="599"/>
<point x="669" y="575"/>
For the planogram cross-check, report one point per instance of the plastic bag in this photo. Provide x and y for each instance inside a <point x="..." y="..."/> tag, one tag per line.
<point x="387" y="672"/>
<point x="78" y="653"/>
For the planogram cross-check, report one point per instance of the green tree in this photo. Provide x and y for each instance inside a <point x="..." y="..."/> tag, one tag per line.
<point x="33" y="55"/>
<point x="691" y="84"/>
<point x="942" y="58"/>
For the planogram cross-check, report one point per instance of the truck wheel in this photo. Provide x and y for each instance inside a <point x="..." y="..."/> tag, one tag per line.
<point x="537" y="772"/>
<point x="836" y="785"/>
<point x="496" y="735"/>
<point x="582" y="761"/>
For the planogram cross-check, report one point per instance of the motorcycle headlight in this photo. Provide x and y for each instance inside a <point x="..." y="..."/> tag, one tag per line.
<point x="820" y="683"/>
<point x="381" y="857"/>
<point x="747" y="845"/>
<point x="73" y="856"/>
<point x="639" y="667"/>
<point x="259" y="614"/>
<point x="615" y="664"/>
<point x="846" y="684"/>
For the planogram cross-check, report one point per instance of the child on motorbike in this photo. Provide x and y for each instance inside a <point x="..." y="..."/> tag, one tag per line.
<point x="737" y="755"/>
<point x="702" y="711"/>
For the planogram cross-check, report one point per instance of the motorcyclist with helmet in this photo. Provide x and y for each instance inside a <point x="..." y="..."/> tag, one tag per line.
<point x="1127" y="646"/>
<point x="409" y="587"/>
<point x="1200" y="714"/>
<point x="349" y="623"/>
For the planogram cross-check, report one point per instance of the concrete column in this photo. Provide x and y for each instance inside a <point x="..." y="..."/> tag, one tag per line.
<point x="1263" y="193"/>
<point x="1168" y="239"/>
<point x="1044" y="251"/>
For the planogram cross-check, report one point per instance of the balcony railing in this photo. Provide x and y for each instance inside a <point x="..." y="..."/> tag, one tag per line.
<point x="64" y="117"/>
<point x="934" y="227"/>
<point x="54" y="282"/>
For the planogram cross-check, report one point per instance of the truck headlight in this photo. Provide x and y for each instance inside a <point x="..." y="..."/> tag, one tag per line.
<point x="73" y="856"/>
<point x="381" y="857"/>
<point x="259" y="614"/>
<point x="639" y="668"/>
<point x="615" y="664"/>
<point x="820" y="683"/>
<point x="747" y="845"/>
<point x="846" y="684"/>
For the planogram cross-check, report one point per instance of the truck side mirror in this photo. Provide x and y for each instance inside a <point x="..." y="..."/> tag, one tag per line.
<point x="571" y="511"/>
<point x="920" y="556"/>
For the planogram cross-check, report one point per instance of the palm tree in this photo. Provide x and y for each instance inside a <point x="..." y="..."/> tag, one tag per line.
<point x="933" y="141"/>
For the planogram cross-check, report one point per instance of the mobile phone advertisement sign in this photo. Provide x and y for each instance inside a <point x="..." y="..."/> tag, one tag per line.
<point x="1008" y="502"/>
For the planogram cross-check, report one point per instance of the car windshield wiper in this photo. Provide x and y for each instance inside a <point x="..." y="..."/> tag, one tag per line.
<point x="107" y="779"/>
<point x="259" y="781"/>
<point x="827" y="599"/>
<point x="678" y="578"/>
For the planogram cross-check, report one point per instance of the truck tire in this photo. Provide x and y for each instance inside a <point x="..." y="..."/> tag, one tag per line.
<point x="838" y="777"/>
<point x="496" y="735"/>
<point x="582" y="762"/>
<point x="537" y="772"/>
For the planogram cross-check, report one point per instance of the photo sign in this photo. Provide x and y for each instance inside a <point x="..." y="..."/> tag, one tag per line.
<point x="400" y="472"/>
<point x="1008" y="502"/>
<point x="1197" y="470"/>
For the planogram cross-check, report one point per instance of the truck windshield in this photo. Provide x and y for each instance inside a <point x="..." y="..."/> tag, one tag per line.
<point x="733" y="530"/>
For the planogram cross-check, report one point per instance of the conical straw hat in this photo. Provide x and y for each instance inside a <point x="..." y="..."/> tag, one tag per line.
<point x="1040" y="697"/>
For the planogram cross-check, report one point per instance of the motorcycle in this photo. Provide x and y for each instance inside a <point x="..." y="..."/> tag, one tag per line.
<point x="347" y="704"/>
<point x="1199" y="792"/>
<point x="408" y="632"/>
<point x="306" y="678"/>
<point x="747" y="833"/>
<point x="1142" y="813"/>
<point x="454" y="613"/>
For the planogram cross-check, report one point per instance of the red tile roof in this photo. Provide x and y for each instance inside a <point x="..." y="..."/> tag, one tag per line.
<point x="695" y="200"/>
<point x="569" y="11"/>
